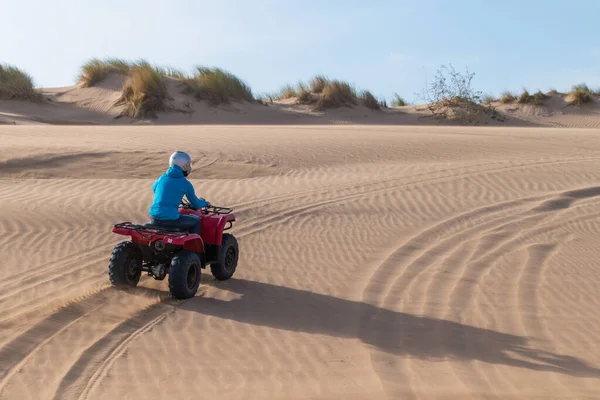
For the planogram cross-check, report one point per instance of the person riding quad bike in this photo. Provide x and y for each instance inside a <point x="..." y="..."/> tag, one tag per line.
<point x="169" y="190"/>
<point x="183" y="238"/>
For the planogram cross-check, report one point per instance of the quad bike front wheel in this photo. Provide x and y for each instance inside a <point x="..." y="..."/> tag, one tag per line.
<point x="226" y="264"/>
<point x="184" y="274"/>
<point x="125" y="266"/>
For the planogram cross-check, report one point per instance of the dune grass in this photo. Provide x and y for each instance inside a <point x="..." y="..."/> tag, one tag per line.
<point x="96" y="70"/>
<point x="304" y="95"/>
<point x="173" y="73"/>
<point x="144" y="92"/>
<point x="507" y="97"/>
<point x="581" y="94"/>
<point x="145" y="89"/>
<point x="17" y="84"/>
<point x="318" y="83"/>
<point x="488" y="99"/>
<point x="337" y="94"/>
<point x="534" y="99"/>
<point x="324" y="93"/>
<point x="286" y="92"/>
<point x="369" y="100"/>
<point x="217" y="86"/>
<point x="398" y="101"/>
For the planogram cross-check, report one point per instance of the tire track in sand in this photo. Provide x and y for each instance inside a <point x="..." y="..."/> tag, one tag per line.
<point x="85" y="374"/>
<point x="255" y="226"/>
<point x="279" y="217"/>
<point x="121" y="334"/>
<point x="134" y="321"/>
<point x="416" y="251"/>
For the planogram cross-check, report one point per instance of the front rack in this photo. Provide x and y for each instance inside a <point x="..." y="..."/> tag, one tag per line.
<point x="208" y="209"/>
<point x="147" y="232"/>
<point x="218" y="210"/>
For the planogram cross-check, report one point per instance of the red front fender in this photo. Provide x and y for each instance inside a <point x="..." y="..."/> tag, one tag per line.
<point x="196" y="245"/>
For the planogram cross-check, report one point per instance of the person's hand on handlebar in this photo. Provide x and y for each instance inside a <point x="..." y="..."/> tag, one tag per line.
<point x="206" y="201"/>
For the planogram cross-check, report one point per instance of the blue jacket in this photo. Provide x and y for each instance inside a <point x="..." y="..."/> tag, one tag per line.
<point x="169" y="190"/>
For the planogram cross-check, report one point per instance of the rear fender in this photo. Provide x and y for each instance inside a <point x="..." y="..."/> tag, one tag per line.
<point x="191" y="242"/>
<point x="137" y="239"/>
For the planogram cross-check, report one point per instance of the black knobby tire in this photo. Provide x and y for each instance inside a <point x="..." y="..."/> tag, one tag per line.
<point x="125" y="266"/>
<point x="226" y="264"/>
<point x="184" y="274"/>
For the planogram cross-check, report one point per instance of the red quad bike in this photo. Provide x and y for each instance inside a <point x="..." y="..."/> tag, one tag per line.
<point x="162" y="251"/>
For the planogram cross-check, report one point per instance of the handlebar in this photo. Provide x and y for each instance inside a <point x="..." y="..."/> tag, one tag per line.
<point x="209" y="209"/>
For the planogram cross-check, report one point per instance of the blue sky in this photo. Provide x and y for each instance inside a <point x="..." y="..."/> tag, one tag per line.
<point x="384" y="46"/>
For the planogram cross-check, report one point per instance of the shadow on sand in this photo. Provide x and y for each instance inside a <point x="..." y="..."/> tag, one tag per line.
<point x="302" y="311"/>
<point x="392" y="332"/>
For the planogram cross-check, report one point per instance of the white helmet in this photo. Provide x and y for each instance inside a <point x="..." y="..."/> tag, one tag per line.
<point x="182" y="160"/>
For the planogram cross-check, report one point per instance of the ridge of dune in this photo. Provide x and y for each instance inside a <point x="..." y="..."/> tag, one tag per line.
<point x="95" y="105"/>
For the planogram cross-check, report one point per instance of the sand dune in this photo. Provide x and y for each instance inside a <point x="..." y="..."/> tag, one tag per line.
<point x="377" y="262"/>
<point x="78" y="105"/>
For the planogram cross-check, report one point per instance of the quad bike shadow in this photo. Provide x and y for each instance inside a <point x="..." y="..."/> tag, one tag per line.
<point x="160" y="251"/>
<point x="384" y="330"/>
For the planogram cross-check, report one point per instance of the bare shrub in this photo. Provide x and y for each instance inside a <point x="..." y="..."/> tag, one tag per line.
<point x="452" y="97"/>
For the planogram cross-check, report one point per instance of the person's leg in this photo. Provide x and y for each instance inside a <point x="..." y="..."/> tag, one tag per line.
<point x="191" y="222"/>
<point x="161" y="222"/>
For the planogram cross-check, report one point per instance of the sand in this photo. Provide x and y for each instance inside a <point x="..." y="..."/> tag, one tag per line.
<point x="376" y="262"/>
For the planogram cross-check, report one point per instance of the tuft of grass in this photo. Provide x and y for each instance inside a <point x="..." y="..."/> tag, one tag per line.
<point x="144" y="92"/>
<point x="325" y="93"/>
<point x="96" y="70"/>
<point x="488" y="99"/>
<point x="304" y="96"/>
<point x="369" y="100"/>
<point x="265" y="98"/>
<point x="525" y="97"/>
<point x="17" y="84"/>
<point x="383" y="103"/>
<point x="507" y="97"/>
<point x="539" y="97"/>
<point x="535" y="99"/>
<point x="287" y="92"/>
<point x="217" y="86"/>
<point x="318" y="83"/>
<point x="174" y="73"/>
<point x="398" y="101"/>
<point x="581" y="94"/>
<point x="337" y="94"/>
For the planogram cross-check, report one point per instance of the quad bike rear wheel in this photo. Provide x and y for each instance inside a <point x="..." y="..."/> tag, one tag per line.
<point x="125" y="266"/>
<point x="184" y="274"/>
<point x="226" y="264"/>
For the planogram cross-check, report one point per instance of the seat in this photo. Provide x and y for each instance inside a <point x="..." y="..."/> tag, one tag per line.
<point x="165" y="228"/>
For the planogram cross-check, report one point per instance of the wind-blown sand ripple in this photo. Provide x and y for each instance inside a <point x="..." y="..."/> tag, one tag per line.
<point x="376" y="262"/>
